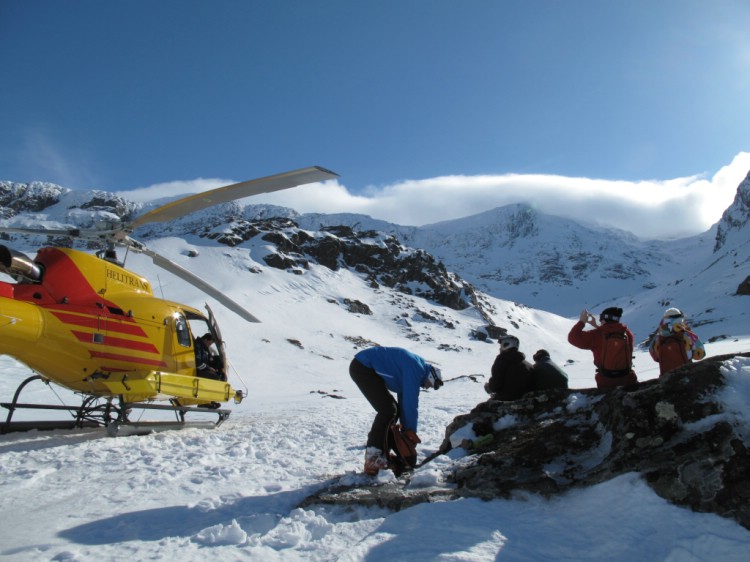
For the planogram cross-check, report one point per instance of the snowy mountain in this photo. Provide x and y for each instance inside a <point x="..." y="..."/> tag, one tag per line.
<point x="235" y="493"/>
<point x="513" y="253"/>
<point x="516" y="253"/>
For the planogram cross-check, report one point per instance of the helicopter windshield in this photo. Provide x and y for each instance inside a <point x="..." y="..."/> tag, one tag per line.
<point x="182" y="330"/>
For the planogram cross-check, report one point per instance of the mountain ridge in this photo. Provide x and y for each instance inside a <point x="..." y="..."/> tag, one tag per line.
<point x="513" y="253"/>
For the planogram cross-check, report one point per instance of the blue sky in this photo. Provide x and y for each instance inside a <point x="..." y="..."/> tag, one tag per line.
<point x="124" y="95"/>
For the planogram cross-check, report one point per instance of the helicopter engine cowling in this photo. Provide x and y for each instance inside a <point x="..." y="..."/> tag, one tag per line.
<point x="17" y="264"/>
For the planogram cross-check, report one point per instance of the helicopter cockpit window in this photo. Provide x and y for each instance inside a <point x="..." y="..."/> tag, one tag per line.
<point x="182" y="331"/>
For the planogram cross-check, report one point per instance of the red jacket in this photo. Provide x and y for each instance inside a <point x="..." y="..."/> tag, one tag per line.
<point x="594" y="339"/>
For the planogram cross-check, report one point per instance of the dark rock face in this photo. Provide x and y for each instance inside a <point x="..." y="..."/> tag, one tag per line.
<point x="29" y="197"/>
<point x="37" y="196"/>
<point x="737" y="216"/>
<point x="744" y="287"/>
<point x="103" y="201"/>
<point x="674" y="431"/>
<point x="382" y="259"/>
<point x="357" y="307"/>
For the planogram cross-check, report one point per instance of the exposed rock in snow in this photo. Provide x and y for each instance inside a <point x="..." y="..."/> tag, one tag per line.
<point x="737" y="215"/>
<point x="686" y="433"/>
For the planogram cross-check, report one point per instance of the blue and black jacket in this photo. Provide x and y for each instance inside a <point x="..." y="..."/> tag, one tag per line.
<point x="404" y="373"/>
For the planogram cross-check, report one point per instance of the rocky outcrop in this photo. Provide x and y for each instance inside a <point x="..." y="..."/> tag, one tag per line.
<point x="35" y="197"/>
<point x="28" y="197"/>
<point x="736" y="216"/>
<point x="381" y="258"/>
<point x="744" y="287"/>
<point x="680" y="432"/>
<point x="111" y="203"/>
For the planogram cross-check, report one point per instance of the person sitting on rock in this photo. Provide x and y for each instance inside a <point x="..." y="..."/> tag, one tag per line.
<point x="511" y="373"/>
<point x="546" y="374"/>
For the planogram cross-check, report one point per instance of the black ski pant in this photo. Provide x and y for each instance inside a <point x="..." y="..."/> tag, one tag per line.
<point x="374" y="389"/>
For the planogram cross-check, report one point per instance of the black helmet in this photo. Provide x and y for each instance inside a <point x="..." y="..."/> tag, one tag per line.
<point x="611" y="314"/>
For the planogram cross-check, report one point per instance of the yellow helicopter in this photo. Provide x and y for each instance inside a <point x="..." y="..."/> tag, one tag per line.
<point x="86" y="323"/>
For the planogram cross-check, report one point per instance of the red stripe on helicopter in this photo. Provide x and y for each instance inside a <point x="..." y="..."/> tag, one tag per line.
<point x="86" y="337"/>
<point x="127" y="359"/>
<point x="96" y="323"/>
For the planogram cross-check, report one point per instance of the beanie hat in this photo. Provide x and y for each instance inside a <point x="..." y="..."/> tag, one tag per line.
<point x="611" y="314"/>
<point x="541" y="355"/>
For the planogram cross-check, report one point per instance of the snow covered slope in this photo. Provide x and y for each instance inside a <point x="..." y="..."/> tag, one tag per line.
<point x="232" y="493"/>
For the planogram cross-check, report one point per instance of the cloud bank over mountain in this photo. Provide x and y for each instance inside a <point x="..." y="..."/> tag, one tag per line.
<point x="658" y="209"/>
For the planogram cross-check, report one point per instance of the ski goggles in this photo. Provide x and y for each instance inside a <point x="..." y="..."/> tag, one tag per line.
<point x="435" y="377"/>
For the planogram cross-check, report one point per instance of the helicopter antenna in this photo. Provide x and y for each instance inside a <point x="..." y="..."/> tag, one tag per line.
<point x="236" y="374"/>
<point x="127" y="251"/>
<point x="161" y="287"/>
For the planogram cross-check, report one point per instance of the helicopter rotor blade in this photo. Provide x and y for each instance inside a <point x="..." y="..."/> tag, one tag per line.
<point x="194" y="280"/>
<point x="73" y="232"/>
<point x="200" y="201"/>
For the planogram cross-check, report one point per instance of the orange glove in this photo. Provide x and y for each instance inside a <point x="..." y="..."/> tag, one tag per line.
<point x="411" y="436"/>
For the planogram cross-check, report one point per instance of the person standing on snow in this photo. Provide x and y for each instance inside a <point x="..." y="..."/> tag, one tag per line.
<point x="511" y="373"/>
<point x="611" y="344"/>
<point x="546" y="374"/>
<point x="674" y="343"/>
<point x="378" y="370"/>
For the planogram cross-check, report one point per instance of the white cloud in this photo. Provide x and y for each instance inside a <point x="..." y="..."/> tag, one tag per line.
<point x="172" y="189"/>
<point x="650" y="209"/>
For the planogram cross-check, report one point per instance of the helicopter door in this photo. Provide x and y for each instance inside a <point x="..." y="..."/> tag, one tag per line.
<point x="214" y="327"/>
<point x="218" y="341"/>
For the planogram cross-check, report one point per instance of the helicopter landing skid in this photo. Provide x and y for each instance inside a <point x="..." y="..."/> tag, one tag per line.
<point x="123" y="426"/>
<point x="97" y="411"/>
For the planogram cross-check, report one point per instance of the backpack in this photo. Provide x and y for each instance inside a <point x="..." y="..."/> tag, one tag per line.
<point x="402" y="454"/>
<point x="617" y="361"/>
<point x="672" y="353"/>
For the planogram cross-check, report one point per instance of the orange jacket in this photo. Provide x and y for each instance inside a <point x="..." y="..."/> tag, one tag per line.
<point x="594" y="339"/>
